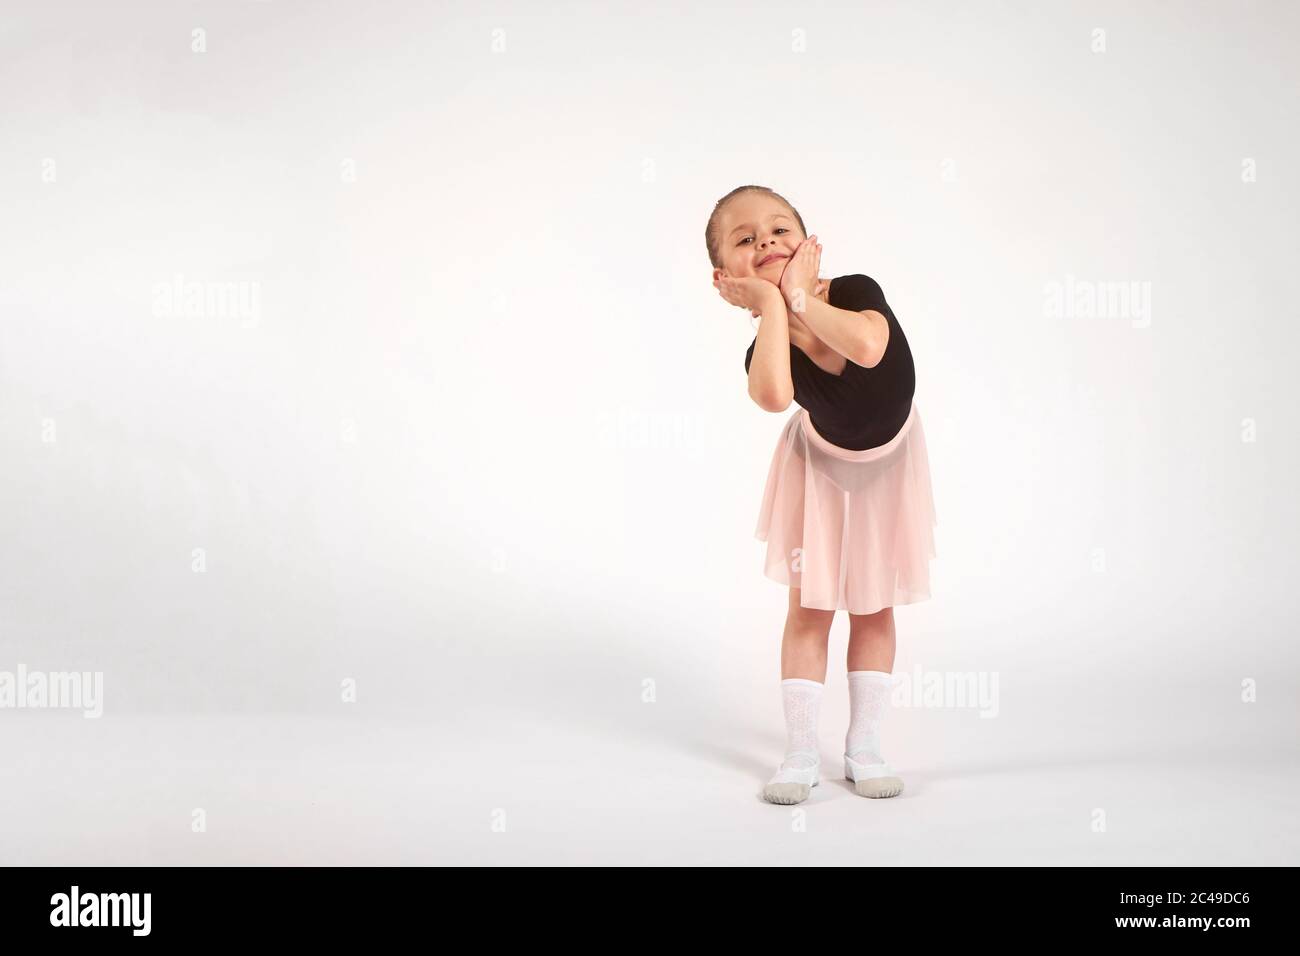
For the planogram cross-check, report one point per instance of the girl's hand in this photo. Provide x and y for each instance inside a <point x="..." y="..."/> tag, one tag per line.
<point x="748" y="292"/>
<point x="800" y="273"/>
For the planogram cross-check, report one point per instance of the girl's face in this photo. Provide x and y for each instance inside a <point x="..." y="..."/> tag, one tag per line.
<point x="756" y="237"/>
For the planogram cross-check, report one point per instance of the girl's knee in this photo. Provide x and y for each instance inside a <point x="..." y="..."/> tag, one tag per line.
<point x="883" y="614"/>
<point x="812" y="620"/>
<point x="880" y="620"/>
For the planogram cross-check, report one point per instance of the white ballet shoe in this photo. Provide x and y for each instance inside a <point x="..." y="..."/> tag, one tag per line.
<point x="872" y="779"/>
<point x="793" y="784"/>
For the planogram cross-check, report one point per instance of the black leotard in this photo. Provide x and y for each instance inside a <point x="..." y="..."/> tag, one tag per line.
<point x="863" y="407"/>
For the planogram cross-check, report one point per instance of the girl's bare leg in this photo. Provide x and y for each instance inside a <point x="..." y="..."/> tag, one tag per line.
<point x="803" y="645"/>
<point x="872" y="641"/>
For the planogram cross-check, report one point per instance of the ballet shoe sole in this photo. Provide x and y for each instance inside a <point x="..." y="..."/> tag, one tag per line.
<point x="787" y="793"/>
<point x="886" y="786"/>
<point x="878" y="787"/>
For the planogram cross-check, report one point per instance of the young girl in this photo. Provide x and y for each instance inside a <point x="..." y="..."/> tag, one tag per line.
<point x="847" y="511"/>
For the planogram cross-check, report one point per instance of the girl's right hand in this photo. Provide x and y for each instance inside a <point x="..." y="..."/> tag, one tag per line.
<point x="748" y="292"/>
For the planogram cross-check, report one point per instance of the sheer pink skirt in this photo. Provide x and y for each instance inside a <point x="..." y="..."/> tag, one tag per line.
<point x="853" y="530"/>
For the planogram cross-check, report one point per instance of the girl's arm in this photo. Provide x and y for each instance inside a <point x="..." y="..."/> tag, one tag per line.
<point x="859" y="336"/>
<point x="770" y="385"/>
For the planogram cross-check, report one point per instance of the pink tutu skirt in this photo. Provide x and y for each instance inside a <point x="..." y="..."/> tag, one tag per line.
<point x="853" y="530"/>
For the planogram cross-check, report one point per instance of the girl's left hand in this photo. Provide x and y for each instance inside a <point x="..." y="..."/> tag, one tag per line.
<point x="801" y="270"/>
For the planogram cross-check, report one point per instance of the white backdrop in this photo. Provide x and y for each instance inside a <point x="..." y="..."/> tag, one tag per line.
<point x="370" y="349"/>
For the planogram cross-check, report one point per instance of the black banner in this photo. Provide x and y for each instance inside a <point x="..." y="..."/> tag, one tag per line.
<point x="333" y="905"/>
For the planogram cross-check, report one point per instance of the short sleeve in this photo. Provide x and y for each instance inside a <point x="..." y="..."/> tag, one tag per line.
<point x="857" y="292"/>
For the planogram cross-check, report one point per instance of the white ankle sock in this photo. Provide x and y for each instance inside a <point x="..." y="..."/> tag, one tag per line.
<point x="802" y="700"/>
<point x="868" y="698"/>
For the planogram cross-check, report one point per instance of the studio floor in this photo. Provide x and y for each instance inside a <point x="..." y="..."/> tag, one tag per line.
<point x="503" y="789"/>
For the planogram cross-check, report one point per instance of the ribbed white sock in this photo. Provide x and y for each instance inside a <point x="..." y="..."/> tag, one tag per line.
<point x="802" y="699"/>
<point x="868" y="698"/>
